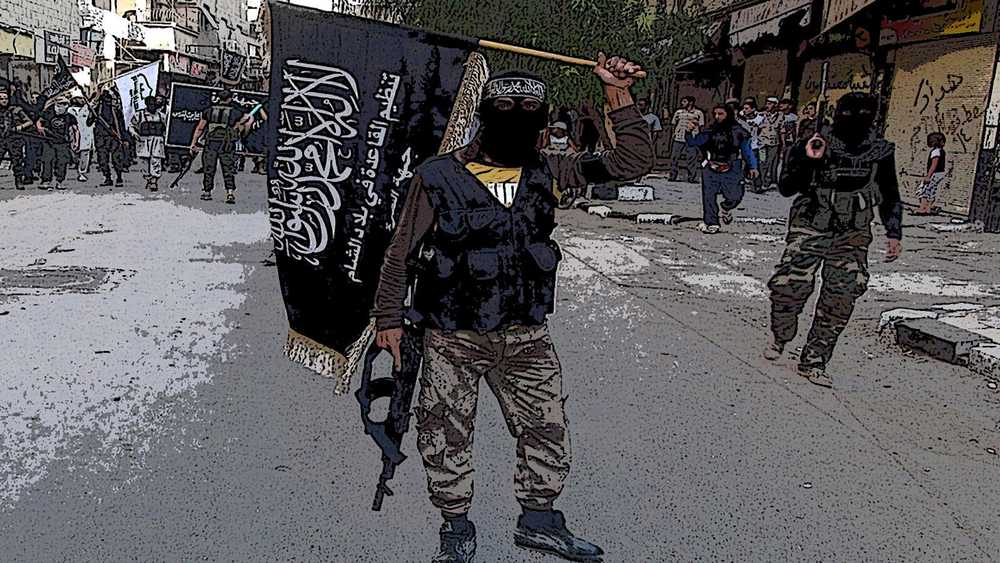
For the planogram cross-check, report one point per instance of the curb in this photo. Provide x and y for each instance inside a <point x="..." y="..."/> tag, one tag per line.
<point x="934" y="333"/>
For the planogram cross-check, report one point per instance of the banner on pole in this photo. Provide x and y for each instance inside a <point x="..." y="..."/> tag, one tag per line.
<point x="358" y="104"/>
<point x="134" y="86"/>
<point x="188" y="101"/>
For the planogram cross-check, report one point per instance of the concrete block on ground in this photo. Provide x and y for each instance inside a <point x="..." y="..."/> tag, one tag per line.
<point x="656" y="218"/>
<point x="959" y="307"/>
<point x="956" y="227"/>
<point x="599" y="210"/>
<point x="937" y="339"/>
<point x="893" y="316"/>
<point x="984" y="359"/>
<point x="635" y="193"/>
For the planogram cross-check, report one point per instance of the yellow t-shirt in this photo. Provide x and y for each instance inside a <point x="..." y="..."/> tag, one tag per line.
<point x="501" y="182"/>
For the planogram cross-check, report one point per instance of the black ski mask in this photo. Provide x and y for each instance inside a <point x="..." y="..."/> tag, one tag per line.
<point x="854" y="118"/>
<point x="512" y="114"/>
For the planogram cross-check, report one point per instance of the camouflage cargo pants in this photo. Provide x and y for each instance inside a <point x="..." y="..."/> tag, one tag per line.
<point x="213" y="157"/>
<point x="843" y="256"/>
<point x="521" y="369"/>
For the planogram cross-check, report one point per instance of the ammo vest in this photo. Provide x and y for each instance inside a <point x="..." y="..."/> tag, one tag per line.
<point x="151" y="124"/>
<point x="846" y="191"/>
<point x="483" y="266"/>
<point x="218" y="123"/>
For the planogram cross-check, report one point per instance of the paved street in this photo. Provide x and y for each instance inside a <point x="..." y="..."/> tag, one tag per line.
<point x="147" y="412"/>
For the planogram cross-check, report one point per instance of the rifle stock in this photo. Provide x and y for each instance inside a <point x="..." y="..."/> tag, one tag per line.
<point x="399" y="389"/>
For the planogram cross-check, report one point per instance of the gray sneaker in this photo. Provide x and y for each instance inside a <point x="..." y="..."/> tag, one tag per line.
<point x="774" y="350"/>
<point x="816" y="375"/>
<point x="458" y="543"/>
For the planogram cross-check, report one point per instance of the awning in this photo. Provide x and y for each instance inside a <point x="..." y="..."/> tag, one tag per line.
<point x="836" y="11"/>
<point x="750" y="24"/>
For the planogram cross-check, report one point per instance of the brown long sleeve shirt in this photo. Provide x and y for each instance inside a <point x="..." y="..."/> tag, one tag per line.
<point x="631" y="158"/>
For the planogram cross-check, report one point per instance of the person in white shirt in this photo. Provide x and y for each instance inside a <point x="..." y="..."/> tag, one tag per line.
<point x="770" y="142"/>
<point x="680" y="152"/>
<point x="79" y="109"/>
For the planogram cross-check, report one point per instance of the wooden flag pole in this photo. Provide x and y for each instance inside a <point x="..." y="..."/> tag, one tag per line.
<point x="487" y="44"/>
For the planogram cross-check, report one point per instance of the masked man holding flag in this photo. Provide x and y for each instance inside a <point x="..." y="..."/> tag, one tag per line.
<point x="477" y="225"/>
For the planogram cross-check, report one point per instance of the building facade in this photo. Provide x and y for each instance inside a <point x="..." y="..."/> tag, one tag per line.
<point x="932" y="64"/>
<point x="33" y="34"/>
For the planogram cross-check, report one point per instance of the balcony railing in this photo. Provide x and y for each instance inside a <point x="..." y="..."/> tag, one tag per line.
<point x="186" y="16"/>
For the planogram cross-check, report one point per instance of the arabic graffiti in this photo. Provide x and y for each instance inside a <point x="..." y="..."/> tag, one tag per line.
<point x="928" y="93"/>
<point x="318" y="116"/>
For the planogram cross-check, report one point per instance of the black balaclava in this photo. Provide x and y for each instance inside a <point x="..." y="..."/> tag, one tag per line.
<point x="152" y="104"/>
<point x="854" y="118"/>
<point x="510" y="137"/>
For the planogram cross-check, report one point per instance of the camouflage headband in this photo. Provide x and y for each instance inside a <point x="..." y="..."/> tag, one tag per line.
<point x="514" y="87"/>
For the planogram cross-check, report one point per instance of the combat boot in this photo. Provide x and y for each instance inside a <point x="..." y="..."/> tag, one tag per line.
<point x="545" y="531"/>
<point x="230" y="196"/>
<point x="458" y="542"/>
<point x="107" y="182"/>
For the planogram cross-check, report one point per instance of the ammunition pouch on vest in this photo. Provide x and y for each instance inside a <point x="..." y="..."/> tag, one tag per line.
<point x="149" y="128"/>
<point x="218" y="124"/>
<point x="485" y="266"/>
<point x="829" y="208"/>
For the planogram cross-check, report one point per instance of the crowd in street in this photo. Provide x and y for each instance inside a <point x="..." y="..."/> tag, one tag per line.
<point x="747" y="148"/>
<point x="49" y="140"/>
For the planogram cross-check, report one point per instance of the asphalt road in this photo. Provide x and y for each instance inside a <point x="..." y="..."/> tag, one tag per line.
<point x="147" y="412"/>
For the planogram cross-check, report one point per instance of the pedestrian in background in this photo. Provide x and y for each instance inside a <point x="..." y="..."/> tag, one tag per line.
<point x="110" y="135"/>
<point x="62" y="138"/>
<point x="723" y="144"/>
<point x="770" y="143"/>
<point x="32" y="145"/>
<point x="13" y="122"/>
<point x="789" y="131"/>
<point x="558" y="140"/>
<point x="655" y="127"/>
<point x="808" y="124"/>
<point x="587" y="129"/>
<point x="81" y="112"/>
<point x="937" y="174"/>
<point x="751" y="120"/>
<point x="149" y="128"/>
<point x="681" y="154"/>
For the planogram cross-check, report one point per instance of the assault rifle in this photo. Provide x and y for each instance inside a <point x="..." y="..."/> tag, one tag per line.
<point x="388" y="434"/>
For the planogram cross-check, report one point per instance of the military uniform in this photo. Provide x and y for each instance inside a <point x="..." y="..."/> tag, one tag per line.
<point x="13" y="119"/>
<point x="220" y="146"/>
<point x="478" y="236"/>
<point x="829" y="228"/>
<point x="110" y="136"/>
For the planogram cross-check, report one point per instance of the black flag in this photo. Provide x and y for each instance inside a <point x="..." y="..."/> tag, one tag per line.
<point x="62" y="83"/>
<point x="357" y="104"/>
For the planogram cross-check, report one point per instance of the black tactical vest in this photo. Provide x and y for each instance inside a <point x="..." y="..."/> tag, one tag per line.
<point x="483" y="266"/>
<point x="218" y="123"/>
<point x="846" y="193"/>
<point x="151" y="125"/>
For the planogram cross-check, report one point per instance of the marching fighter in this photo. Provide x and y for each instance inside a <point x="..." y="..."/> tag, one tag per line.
<point x="839" y="180"/>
